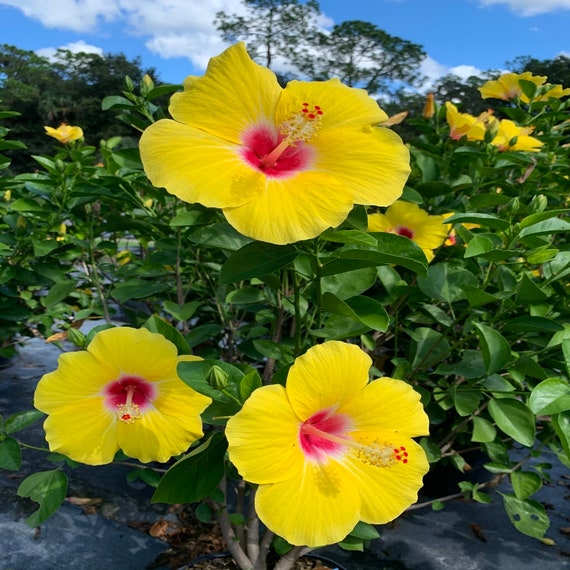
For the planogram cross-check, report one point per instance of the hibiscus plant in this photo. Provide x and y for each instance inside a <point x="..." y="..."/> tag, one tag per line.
<point x="304" y="316"/>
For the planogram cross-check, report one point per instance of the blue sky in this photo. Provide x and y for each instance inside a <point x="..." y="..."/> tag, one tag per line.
<point x="177" y="37"/>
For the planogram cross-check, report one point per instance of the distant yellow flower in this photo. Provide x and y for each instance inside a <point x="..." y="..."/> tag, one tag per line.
<point x="330" y="448"/>
<point x="464" y="124"/>
<point x="451" y="235"/>
<point x="65" y="133"/>
<point x="507" y="87"/>
<point x="282" y="164"/>
<point x="512" y="137"/>
<point x="123" y="392"/>
<point x="409" y="220"/>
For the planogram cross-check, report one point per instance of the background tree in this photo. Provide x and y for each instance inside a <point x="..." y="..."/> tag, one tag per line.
<point x="69" y="88"/>
<point x="557" y="70"/>
<point x="362" y="55"/>
<point x="270" y="27"/>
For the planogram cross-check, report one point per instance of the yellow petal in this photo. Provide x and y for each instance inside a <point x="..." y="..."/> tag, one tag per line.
<point x="371" y="162"/>
<point x="264" y="437"/>
<point x="234" y="93"/>
<point x="341" y="105"/>
<point x="135" y="351"/>
<point x="318" y="507"/>
<point x="197" y="166"/>
<point x="78" y="376"/>
<point x="83" y="431"/>
<point x="327" y="375"/>
<point x="379" y="223"/>
<point x="157" y="437"/>
<point x="175" y="398"/>
<point x="388" y="405"/>
<point x="293" y="209"/>
<point x="387" y="491"/>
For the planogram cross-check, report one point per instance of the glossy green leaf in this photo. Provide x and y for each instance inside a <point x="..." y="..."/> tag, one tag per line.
<point x="561" y="424"/>
<point x="157" y="325"/>
<point x="445" y="282"/>
<point x="220" y="235"/>
<point x="22" y="420"/>
<point x="478" y="245"/>
<point x="255" y="260"/>
<point x="364" y="310"/>
<point x="428" y="347"/>
<point x="137" y="289"/>
<point x="495" y="348"/>
<point x="10" y="454"/>
<point x="485" y="220"/>
<point x="59" y="292"/>
<point x="525" y="483"/>
<point x="515" y="419"/>
<point x="551" y="396"/>
<point x="196" y="475"/>
<point x="49" y="489"/>
<point x="483" y="430"/>
<point x="528" y="516"/>
<point x="546" y="227"/>
<point x="466" y="401"/>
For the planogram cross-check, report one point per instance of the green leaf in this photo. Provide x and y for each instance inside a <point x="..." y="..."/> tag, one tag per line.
<point x="59" y="292"/>
<point x="551" y="396"/>
<point x="478" y="245"/>
<point x="255" y="260"/>
<point x="528" y="516"/>
<point x="364" y="310"/>
<point x="483" y="430"/>
<point x="494" y="347"/>
<point x="10" y="454"/>
<point x="525" y="483"/>
<point x="364" y="531"/>
<point x="48" y="488"/>
<point x="515" y="419"/>
<point x="485" y="220"/>
<point x="547" y="227"/>
<point x="445" y="282"/>
<point x="561" y="424"/>
<point x="181" y="312"/>
<point x="196" y="475"/>
<point x="220" y="235"/>
<point x="22" y="420"/>
<point x="27" y="205"/>
<point x="44" y="246"/>
<point x="350" y="283"/>
<point x="137" y="289"/>
<point x="532" y="324"/>
<point x="540" y="216"/>
<point x="353" y="237"/>
<point x="248" y="384"/>
<point x="157" y="325"/>
<point x="428" y="347"/>
<point x="246" y="295"/>
<point x="465" y="401"/>
<point x="528" y="293"/>
<point x="390" y="249"/>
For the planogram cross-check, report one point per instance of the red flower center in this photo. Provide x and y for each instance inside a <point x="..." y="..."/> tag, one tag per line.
<point x="128" y="396"/>
<point x="321" y="435"/>
<point x="283" y="152"/>
<point x="406" y="232"/>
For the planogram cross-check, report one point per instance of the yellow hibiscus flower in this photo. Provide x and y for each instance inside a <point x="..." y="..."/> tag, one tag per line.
<point x="65" y="133"/>
<point x="509" y="131"/>
<point x="123" y="392"/>
<point x="464" y="124"/>
<point x="507" y="86"/>
<point x="409" y="220"/>
<point x="330" y="448"/>
<point x="282" y="164"/>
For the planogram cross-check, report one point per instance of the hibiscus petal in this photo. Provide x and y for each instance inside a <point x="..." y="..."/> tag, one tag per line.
<point x="371" y="162"/>
<point x="327" y="375"/>
<point x="341" y="105"/>
<point x="175" y="398"/>
<point x="264" y="437"/>
<point x="293" y="209"/>
<point x="320" y="506"/>
<point x="197" y="166"/>
<point x="156" y="437"/>
<point x="234" y="93"/>
<point x="387" y="491"/>
<point x="83" y="431"/>
<point x="387" y="405"/>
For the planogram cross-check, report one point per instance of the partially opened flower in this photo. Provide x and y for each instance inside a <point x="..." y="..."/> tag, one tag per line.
<point x="330" y="448"/>
<point x="512" y="137"/>
<point x="65" y="133"/>
<point x="464" y="124"/>
<point x="409" y="220"/>
<point x="283" y="164"/>
<point x="123" y="392"/>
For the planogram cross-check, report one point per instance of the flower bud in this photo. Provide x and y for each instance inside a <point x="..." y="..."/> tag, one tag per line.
<point x="513" y="205"/>
<point x="538" y="203"/>
<point x="76" y="337"/>
<point x="217" y="378"/>
<point x="429" y="107"/>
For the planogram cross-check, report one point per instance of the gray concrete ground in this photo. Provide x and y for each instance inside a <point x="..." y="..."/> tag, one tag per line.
<point x="464" y="536"/>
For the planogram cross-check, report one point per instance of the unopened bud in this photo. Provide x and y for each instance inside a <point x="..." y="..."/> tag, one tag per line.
<point x="538" y="203"/>
<point x="217" y="378"/>
<point x="76" y="337"/>
<point x="429" y="107"/>
<point x="513" y="205"/>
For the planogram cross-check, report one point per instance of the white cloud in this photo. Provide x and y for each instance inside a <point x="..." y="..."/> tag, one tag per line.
<point x="531" y="7"/>
<point x="432" y="70"/>
<point x="76" y="15"/>
<point x="74" y="47"/>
